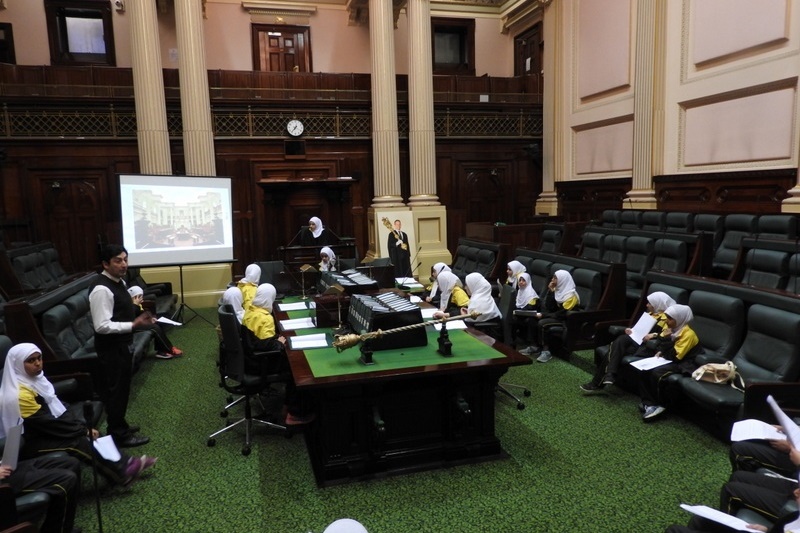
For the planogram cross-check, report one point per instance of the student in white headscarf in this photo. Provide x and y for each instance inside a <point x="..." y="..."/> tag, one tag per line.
<point x="433" y="290"/>
<point x="233" y="297"/>
<point x="248" y="284"/>
<point x="327" y="260"/>
<point x="26" y="395"/>
<point x="480" y="298"/>
<point x="453" y="298"/>
<point x="524" y="327"/>
<point x="679" y="344"/>
<point x="265" y="350"/>
<point x="561" y="297"/>
<point x="164" y="347"/>
<point x="606" y="367"/>
<point x="316" y="234"/>
<point x="514" y="269"/>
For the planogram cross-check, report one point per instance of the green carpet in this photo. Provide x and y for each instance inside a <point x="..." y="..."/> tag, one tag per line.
<point x="575" y="463"/>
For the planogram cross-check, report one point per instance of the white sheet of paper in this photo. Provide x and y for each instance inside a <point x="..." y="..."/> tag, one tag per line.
<point x="642" y="327"/>
<point x="297" y="306"/>
<point x="789" y="427"/>
<point x="754" y="429"/>
<point x="11" y="450"/>
<point x="427" y="313"/>
<point x="454" y="324"/>
<point x="408" y="282"/>
<point x="165" y="320"/>
<point x="717" y="516"/>
<point x="303" y="342"/>
<point x="297" y="323"/>
<point x="414" y="299"/>
<point x="650" y="362"/>
<point x="107" y="449"/>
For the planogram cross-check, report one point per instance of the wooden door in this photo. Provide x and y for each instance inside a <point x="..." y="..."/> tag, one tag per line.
<point x="487" y="195"/>
<point x="70" y="209"/>
<point x="280" y="48"/>
<point x="528" y="49"/>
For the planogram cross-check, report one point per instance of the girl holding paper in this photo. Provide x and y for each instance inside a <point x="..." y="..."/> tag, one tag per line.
<point x="676" y="343"/>
<point x="164" y="347"/>
<point x="607" y="364"/>
<point x="48" y="425"/>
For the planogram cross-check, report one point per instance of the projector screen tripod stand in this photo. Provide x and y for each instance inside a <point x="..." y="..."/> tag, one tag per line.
<point x="183" y="305"/>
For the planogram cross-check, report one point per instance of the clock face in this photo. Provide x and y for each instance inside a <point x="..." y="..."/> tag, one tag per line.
<point x="295" y="128"/>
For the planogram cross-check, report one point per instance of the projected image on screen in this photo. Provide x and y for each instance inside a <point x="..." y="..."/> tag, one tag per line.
<point x="172" y="220"/>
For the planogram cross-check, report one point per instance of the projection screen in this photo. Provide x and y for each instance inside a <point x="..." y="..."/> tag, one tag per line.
<point x="176" y="220"/>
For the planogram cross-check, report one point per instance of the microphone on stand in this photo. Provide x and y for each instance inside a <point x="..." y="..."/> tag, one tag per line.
<point x="405" y="278"/>
<point x="410" y="270"/>
<point x="88" y="416"/>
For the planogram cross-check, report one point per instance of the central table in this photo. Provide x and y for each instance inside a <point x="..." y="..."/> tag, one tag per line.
<point x="414" y="409"/>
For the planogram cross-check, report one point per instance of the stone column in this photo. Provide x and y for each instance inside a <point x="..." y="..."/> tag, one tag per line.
<point x="148" y="86"/>
<point x="429" y="216"/>
<point x="648" y="107"/>
<point x="553" y="136"/>
<point x="421" y="134"/>
<point x="198" y="136"/>
<point x="385" y="138"/>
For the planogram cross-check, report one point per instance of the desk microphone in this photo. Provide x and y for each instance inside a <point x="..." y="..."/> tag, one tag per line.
<point x="408" y="273"/>
<point x="403" y="285"/>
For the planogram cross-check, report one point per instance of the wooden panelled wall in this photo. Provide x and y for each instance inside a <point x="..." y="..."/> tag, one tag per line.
<point x="64" y="189"/>
<point x="747" y="191"/>
<point x="66" y="192"/>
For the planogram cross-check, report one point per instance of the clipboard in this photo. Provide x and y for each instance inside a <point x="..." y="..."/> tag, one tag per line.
<point x="11" y="450"/>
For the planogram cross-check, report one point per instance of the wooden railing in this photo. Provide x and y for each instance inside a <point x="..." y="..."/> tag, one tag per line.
<point x="115" y="83"/>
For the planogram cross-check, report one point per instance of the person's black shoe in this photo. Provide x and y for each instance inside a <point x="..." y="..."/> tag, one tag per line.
<point x="608" y="379"/>
<point x="133" y="429"/>
<point x="591" y="388"/>
<point x="131" y="441"/>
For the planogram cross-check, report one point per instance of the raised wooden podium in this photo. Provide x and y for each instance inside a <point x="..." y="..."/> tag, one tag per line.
<point x="296" y="256"/>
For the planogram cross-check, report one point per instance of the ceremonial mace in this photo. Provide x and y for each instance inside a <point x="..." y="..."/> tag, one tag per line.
<point x="343" y="342"/>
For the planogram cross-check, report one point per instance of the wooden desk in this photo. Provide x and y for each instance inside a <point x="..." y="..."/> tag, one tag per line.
<point x="379" y="422"/>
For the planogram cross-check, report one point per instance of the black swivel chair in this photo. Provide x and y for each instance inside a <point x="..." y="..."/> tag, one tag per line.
<point x="501" y="330"/>
<point x="236" y="381"/>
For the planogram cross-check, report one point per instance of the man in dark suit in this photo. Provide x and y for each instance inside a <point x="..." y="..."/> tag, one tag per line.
<point x="399" y="252"/>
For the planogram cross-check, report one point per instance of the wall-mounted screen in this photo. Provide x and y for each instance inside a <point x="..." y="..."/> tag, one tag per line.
<point x="176" y="220"/>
